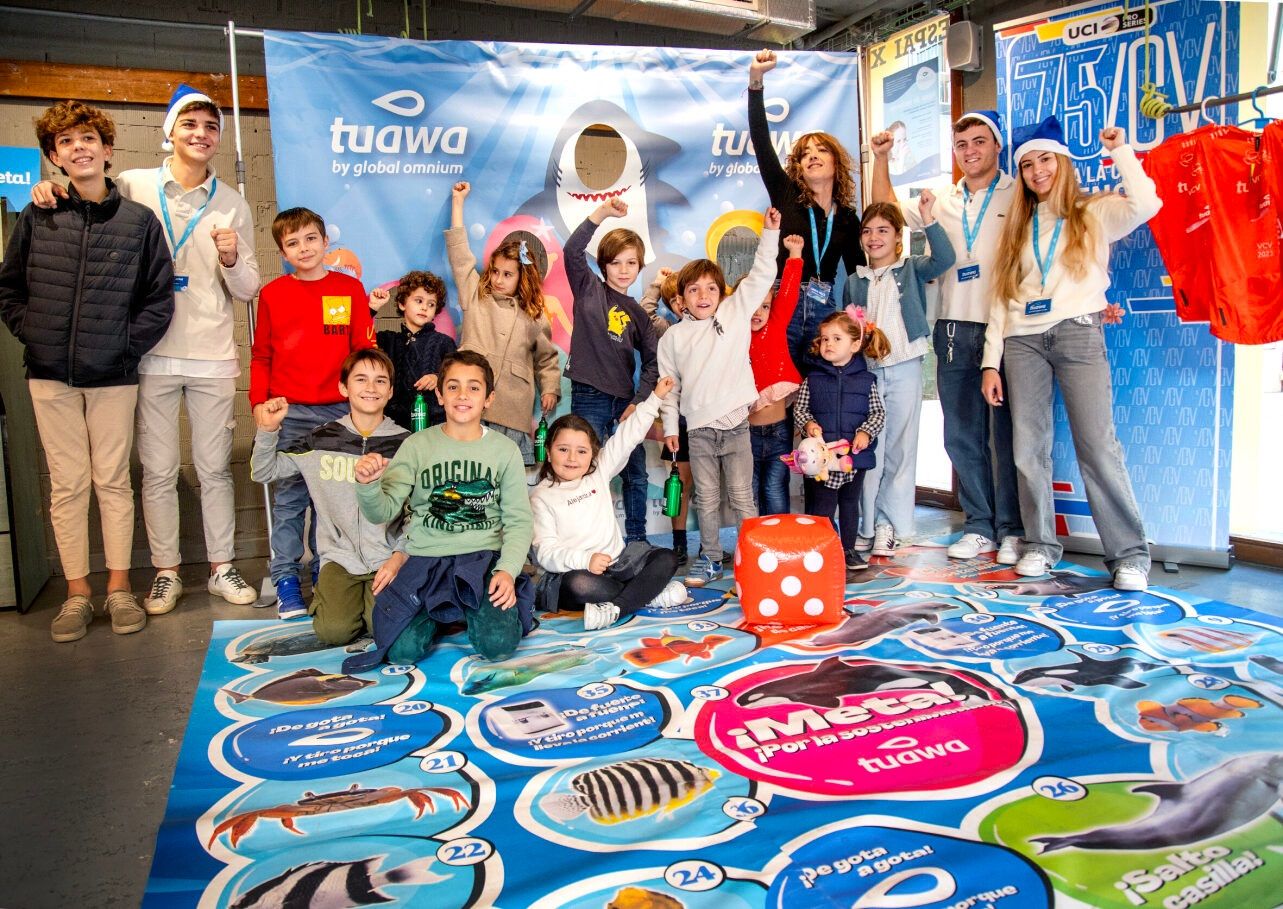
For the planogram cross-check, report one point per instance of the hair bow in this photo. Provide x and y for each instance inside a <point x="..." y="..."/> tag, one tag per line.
<point x="525" y="254"/>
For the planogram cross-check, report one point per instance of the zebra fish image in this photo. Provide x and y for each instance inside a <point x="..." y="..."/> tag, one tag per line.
<point x="631" y="789"/>
<point x="336" y="885"/>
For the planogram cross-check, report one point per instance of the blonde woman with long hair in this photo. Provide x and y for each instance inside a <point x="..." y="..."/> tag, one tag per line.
<point x="1050" y="279"/>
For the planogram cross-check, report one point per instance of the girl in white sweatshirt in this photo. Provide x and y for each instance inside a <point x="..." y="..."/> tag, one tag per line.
<point x="577" y="541"/>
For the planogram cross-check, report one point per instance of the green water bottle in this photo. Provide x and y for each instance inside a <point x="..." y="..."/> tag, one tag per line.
<point x="419" y="413"/>
<point x="541" y="441"/>
<point x="673" y="494"/>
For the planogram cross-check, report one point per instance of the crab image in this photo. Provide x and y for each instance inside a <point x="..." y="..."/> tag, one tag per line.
<point x="344" y="800"/>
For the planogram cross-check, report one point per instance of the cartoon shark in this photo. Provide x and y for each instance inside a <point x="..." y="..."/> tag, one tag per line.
<point x="1268" y="662"/>
<point x="1066" y="677"/>
<point x="1222" y="799"/>
<point x="303" y="688"/>
<point x="827" y="683"/>
<point x="520" y="670"/>
<point x="880" y="620"/>
<point x="568" y="199"/>
<point x="1061" y="583"/>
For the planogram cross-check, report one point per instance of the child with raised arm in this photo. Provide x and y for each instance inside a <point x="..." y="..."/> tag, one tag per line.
<point x="840" y="400"/>
<point x="357" y="556"/>
<point x="416" y="348"/>
<point x="891" y="292"/>
<point x="611" y="332"/>
<point x="707" y="353"/>
<point x="587" y="563"/>
<point x="777" y="379"/>
<point x="470" y="527"/>
<point x="504" y="319"/>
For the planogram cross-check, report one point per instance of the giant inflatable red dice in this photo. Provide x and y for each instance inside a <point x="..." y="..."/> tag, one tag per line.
<point x="790" y="570"/>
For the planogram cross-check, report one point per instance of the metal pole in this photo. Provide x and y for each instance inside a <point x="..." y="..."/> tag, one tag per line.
<point x="267" y="590"/>
<point x="1228" y="99"/>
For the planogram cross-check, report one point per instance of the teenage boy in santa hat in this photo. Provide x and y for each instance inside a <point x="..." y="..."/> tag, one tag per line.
<point x="211" y="237"/>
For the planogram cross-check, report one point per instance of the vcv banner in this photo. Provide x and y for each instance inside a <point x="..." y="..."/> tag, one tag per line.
<point x="1173" y="382"/>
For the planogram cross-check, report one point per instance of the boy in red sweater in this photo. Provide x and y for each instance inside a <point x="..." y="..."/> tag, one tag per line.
<point x="308" y="322"/>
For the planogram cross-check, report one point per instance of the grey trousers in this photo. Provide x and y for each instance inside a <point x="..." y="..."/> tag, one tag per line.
<point x="718" y="453"/>
<point x="1072" y="354"/>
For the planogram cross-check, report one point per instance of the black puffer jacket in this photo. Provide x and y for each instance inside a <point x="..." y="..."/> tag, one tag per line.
<point x="88" y="288"/>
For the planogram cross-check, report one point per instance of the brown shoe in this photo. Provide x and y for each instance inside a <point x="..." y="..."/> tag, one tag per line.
<point x="126" y="615"/>
<point x="72" y="620"/>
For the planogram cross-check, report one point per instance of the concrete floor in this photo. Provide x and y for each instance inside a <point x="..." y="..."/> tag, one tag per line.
<point x="91" y="730"/>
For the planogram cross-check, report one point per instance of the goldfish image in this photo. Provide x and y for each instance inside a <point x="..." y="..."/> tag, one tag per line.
<point x="1193" y="714"/>
<point x="668" y="647"/>
<point x="643" y="898"/>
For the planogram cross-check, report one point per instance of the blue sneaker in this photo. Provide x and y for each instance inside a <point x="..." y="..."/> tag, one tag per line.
<point x="704" y="571"/>
<point x="289" y="599"/>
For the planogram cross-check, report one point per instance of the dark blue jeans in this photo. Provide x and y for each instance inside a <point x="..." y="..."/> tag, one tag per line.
<point x="602" y="413"/>
<point x="987" y="487"/>
<point x="805" y="325"/>
<point x="770" y="474"/>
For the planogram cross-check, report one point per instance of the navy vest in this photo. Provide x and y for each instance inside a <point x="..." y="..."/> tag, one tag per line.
<point x="840" y="403"/>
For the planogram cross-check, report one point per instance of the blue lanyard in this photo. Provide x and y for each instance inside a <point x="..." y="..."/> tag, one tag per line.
<point x="1044" y="265"/>
<point x="164" y="210"/>
<point x="967" y="233"/>
<point x="815" y="237"/>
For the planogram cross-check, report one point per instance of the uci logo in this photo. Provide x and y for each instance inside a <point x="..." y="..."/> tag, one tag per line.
<point x="1092" y="28"/>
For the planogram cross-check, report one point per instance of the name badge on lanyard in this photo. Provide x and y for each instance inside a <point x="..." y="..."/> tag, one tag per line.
<point x="969" y="272"/>
<point x="1038" y="307"/>
<point x="176" y="244"/>
<point x="181" y="282"/>
<point x="818" y="291"/>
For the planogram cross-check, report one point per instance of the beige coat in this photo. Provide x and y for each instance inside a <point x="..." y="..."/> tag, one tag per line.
<point x="519" y="348"/>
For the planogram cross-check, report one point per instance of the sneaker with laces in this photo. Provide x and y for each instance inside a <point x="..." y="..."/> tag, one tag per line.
<point x="126" y="615"/>
<point x="863" y="544"/>
<point x="704" y="571"/>
<point x="1131" y="575"/>
<point x="289" y="599"/>
<point x="600" y="615"/>
<point x="1010" y="551"/>
<point x="1032" y="564"/>
<point x="885" y="541"/>
<point x="673" y="594"/>
<point x="970" y="545"/>
<point x="227" y="583"/>
<point x="72" y="621"/>
<point x="855" y="560"/>
<point x="166" y="588"/>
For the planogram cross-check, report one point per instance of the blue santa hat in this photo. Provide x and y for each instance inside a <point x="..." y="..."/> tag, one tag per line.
<point x="989" y="118"/>
<point x="184" y="96"/>
<point x="1045" y="136"/>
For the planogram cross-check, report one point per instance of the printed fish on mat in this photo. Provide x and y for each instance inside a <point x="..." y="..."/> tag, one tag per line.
<point x="880" y="620"/>
<point x="336" y="885"/>
<point x="1193" y="714"/>
<point x="1087" y="671"/>
<point x="1207" y="640"/>
<point x="304" y="687"/>
<point x="831" y="680"/>
<point x="527" y="668"/>
<point x="668" y="647"/>
<point x="280" y="645"/>
<point x="631" y="789"/>
<point x="643" y="898"/>
<point x="1061" y="583"/>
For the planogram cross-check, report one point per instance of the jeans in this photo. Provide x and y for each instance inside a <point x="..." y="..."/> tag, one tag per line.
<point x="986" y="474"/>
<point x="290" y="500"/>
<point x="770" y="474"/>
<point x="718" y="454"/>
<point x="805" y="326"/>
<point x="844" y="501"/>
<point x="890" y="487"/>
<point x="602" y="411"/>
<point x="1073" y="355"/>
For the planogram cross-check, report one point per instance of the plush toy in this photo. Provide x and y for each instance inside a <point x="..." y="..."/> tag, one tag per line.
<point x="814" y="457"/>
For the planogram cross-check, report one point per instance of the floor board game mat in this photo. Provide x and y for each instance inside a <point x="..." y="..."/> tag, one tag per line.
<point x="964" y="738"/>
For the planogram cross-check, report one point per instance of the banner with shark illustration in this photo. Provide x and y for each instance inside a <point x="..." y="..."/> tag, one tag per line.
<point x="1173" y="382"/>
<point x="962" y="739"/>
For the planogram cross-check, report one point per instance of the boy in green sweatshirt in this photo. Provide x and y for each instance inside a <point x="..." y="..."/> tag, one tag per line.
<point x="470" y="527"/>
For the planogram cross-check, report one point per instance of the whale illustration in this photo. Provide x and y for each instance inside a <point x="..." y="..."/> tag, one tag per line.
<point x="1222" y="799"/>
<point x="880" y="620"/>
<point x="827" y="683"/>
<point x="1061" y="583"/>
<point x="1086" y="672"/>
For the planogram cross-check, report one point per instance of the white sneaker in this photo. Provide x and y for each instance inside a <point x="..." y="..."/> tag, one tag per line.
<point x="1032" y="564"/>
<point x="599" y="615"/>
<point x="970" y="545"/>
<point x="884" y="541"/>
<point x="228" y="584"/>
<point x="1010" y="551"/>
<point x="674" y="594"/>
<point x="863" y="544"/>
<point x="1131" y="575"/>
<point x="166" y="588"/>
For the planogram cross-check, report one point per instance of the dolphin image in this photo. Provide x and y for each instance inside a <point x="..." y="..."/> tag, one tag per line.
<point x="1061" y="583"/>
<point x="880" y="620"/>
<point x="826" y="684"/>
<point x="1084" y="673"/>
<point x="1213" y="803"/>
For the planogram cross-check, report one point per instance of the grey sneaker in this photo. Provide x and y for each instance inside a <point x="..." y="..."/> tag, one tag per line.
<point x="126" y="615"/>
<point x="228" y="584"/>
<point x="166" y="588"/>
<point x="72" y="620"/>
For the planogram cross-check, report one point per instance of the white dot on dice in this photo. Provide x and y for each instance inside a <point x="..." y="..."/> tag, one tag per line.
<point x="791" y="586"/>
<point x="813" y="561"/>
<point x="768" y="607"/>
<point x="768" y="562"/>
<point x="813" y="606"/>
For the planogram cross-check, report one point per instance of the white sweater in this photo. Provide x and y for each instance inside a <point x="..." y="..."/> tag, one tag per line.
<point x="1114" y="217"/>
<point x="574" y="520"/>
<point x="712" y="368"/>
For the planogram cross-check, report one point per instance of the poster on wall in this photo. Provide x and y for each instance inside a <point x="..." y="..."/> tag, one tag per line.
<point x="372" y="132"/>
<point x="1173" y="382"/>
<point x="908" y="81"/>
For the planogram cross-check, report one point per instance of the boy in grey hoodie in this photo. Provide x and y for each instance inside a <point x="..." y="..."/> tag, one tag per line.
<point x="358" y="557"/>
